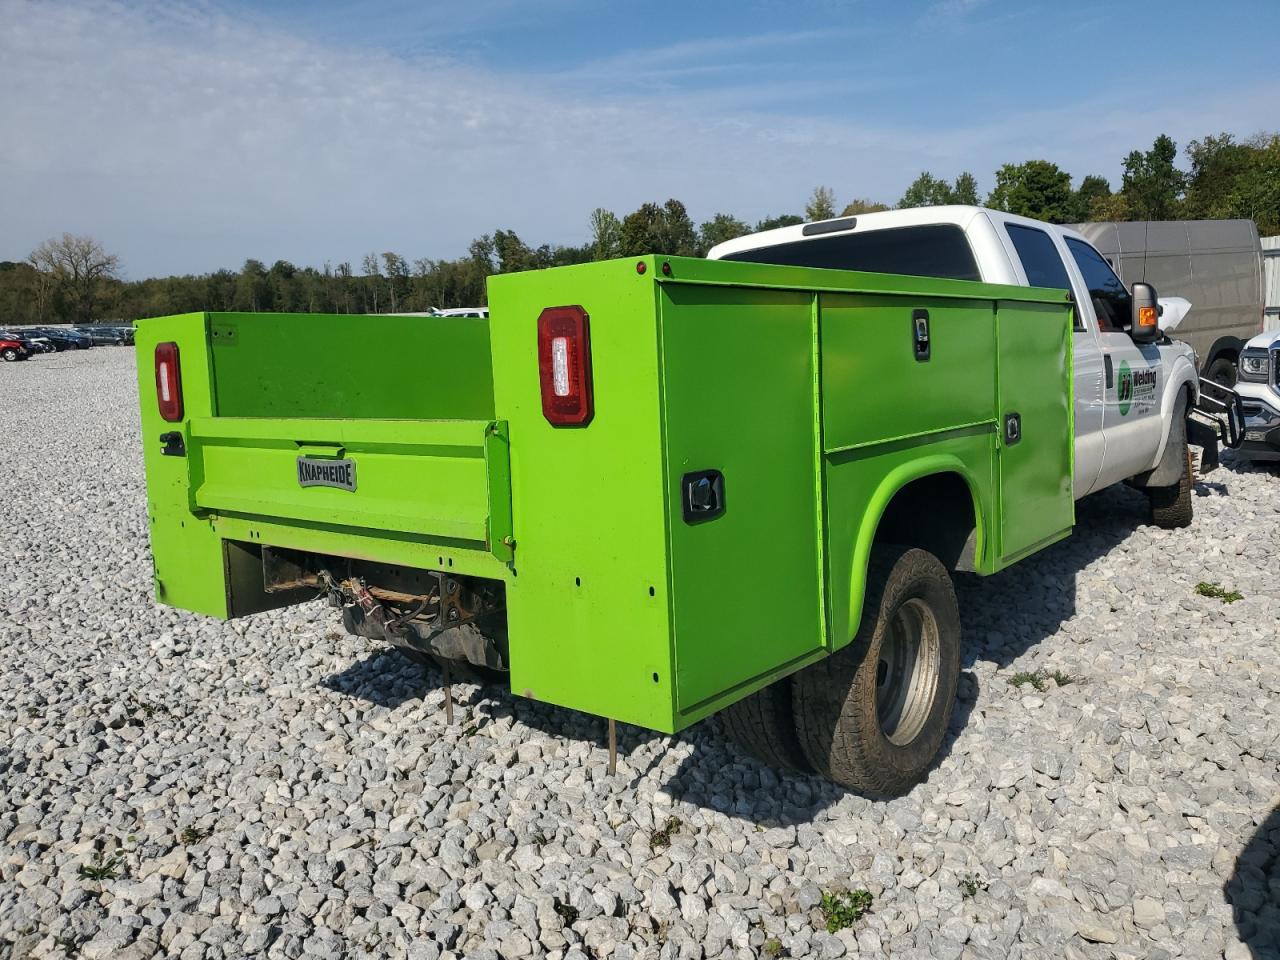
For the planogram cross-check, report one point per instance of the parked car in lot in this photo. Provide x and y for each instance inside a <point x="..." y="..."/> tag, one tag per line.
<point x="107" y="334"/>
<point x="32" y="344"/>
<point x="64" y="338"/>
<point x="11" y="350"/>
<point x="1259" y="389"/>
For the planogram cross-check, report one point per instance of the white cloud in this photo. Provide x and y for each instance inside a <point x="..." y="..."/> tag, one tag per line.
<point x="187" y="139"/>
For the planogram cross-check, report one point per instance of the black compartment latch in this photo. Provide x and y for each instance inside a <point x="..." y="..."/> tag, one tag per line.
<point x="173" y="444"/>
<point x="1012" y="428"/>
<point x="702" y="495"/>
<point x="920" y="334"/>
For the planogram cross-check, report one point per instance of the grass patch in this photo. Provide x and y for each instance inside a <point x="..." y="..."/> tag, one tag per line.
<point x="772" y="947"/>
<point x="971" y="885"/>
<point x="194" y="834"/>
<point x="662" y="837"/>
<point x="1218" y="592"/>
<point x="100" y="869"/>
<point x="843" y="910"/>
<point x="1036" y="679"/>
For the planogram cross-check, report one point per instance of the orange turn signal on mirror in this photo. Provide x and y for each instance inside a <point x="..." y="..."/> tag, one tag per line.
<point x="1147" y="317"/>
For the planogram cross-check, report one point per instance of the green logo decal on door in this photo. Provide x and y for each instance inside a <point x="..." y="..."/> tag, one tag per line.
<point x="1124" y="388"/>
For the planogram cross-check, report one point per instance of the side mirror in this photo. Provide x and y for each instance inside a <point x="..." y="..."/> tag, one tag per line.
<point x="1145" y="326"/>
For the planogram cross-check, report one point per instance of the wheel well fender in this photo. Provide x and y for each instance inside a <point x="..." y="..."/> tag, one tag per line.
<point x="893" y="510"/>
<point x="1228" y="347"/>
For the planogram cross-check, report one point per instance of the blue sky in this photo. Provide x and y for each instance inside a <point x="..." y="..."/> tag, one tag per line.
<point x="188" y="137"/>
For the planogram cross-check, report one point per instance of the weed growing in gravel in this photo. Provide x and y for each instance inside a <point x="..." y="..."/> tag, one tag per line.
<point x="567" y="912"/>
<point x="772" y="947"/>
<point x="1216" y="591"/>
<point x="971" y="885"/>
<point x="842" y="910"/>
<point x="194" y="834"/>
<point x="1037" y="678"/>
<point x="540" y="840"/>
<point x="662" y="837"/>
<point x="101" y="869"/>
<point x="69" y="944"/>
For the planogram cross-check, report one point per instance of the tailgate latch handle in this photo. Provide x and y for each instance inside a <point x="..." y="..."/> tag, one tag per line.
<point x="702" y="495"/>
<point x="173" y="444"/>
<point x="920" y="335"/>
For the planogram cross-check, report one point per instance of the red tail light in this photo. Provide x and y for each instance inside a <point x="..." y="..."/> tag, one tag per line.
<point x="564" y="365"/>
<point x="169" y="381"/>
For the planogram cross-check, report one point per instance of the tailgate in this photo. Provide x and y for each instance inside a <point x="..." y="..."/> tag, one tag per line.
<point x="447" y="480"/>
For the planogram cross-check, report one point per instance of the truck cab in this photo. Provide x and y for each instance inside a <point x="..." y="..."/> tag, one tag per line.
<point x="1132" y="393"/>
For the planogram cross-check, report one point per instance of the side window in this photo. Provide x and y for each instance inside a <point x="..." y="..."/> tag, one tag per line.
<point x="1041" y="262"/>
<point x="1111" y="301"/>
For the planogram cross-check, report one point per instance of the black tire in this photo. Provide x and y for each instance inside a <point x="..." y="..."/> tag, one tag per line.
<point x="1222" y="371"/>
<point x="1171" y="507"/>
<point x="9" y="355"/>
<point x="763" y="725"/>
<point x="838" y="701"/>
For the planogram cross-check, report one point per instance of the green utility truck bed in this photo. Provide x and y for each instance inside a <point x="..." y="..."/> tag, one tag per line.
<point x="751" y="431"/>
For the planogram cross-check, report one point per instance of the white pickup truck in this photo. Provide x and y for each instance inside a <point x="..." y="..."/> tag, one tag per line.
<point x="1134" y="387"/>
<point x="1258" y="387"/>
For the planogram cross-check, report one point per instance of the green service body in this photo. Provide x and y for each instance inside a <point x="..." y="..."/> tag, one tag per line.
<point x="806" y="390"/>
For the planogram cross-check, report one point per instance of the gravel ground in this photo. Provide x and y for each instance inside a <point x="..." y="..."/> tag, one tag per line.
<point x="174" y="786"/>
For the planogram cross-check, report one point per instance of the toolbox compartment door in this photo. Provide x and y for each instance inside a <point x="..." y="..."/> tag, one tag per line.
<point x="739" y="391"/>
<point x="1035" y="446"/>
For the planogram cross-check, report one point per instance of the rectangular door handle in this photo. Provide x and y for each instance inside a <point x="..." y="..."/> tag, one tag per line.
<point x="920" y="335"/>
<point x="1106" y="363"/>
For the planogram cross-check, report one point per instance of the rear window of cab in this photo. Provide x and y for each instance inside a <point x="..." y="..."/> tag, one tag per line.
<point x="933" y="250"/>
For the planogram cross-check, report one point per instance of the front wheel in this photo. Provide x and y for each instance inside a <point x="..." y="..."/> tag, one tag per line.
<point x="872" y="715"/>
<point x="1222" y="372"/>
<point x="9" y="354"/>
<point x="1171" y="507"/>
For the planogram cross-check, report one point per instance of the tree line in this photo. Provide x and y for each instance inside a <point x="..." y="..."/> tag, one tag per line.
<point x="75" y="279"/>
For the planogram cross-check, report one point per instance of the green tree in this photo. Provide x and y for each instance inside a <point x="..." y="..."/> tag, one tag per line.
<point x="1036" y="188"/>
<point x="1110" y="208"/>
<point x="782" y="220"/>
<point x="821" y="205"/>
<point x="1152" y="183"/>
<point x="1217" y="165"/>
<point x="857" y="207"/>
<point x="1256" y="193"/>
<point x="926" y="190"/>
<point x="659" y="229"/>
<point x="397" y="269"/>
<point x="1092" y="187"/>
<point x="718" y="229"/>
<point x="77" y="267"/>
<point x="606" y="235"/>
<point x="965" y="189"/>
<point x="252" y="290"/>
<point x="512" y="253"/>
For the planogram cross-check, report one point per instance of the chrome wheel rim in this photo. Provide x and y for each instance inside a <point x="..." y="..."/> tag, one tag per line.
<point x="907" y="672"/>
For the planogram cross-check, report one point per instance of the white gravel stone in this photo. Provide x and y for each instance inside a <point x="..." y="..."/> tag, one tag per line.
<point x="272" y="785"/>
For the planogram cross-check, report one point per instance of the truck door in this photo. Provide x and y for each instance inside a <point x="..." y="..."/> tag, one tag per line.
<point x="1132" y="386"/>
<point x="1042" y="266"/>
